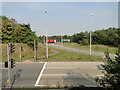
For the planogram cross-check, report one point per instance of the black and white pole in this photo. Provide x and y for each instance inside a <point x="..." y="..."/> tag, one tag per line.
<point x="34" y="51"/>
<point x="8" y="81"/>
<point x="91" y="32"/>
<point x="46" y="34"/>
<point x="20" y="54"/>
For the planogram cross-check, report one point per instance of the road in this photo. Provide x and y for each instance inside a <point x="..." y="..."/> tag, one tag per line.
<point x="23" y="74"/>
<point x="53" y="74"/>
<point x="55" y="52"/>
<point x="69" y="73"/>
<point x="80" y="51"/>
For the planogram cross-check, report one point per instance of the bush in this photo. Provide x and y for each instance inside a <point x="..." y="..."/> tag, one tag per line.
<point x="119" y="49"/>
<point x="84" y="42"/>
<point x="111" y="71"/>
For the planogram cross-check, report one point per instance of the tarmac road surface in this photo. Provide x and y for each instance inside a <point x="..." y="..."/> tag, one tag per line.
<point x="23" y="74"/>
<point x="69" y="73"/>
<point x="53" y="74"/>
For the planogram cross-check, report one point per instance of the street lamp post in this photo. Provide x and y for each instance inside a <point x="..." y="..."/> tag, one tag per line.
<point x="46" y="35"/>
<point x="61" y="33"/>
<point x="91" y="32"/>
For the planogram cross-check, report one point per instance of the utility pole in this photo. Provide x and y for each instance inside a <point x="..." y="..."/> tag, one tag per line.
<point x="61" y="33"/>
<point x="12" y="50"/>
<point x="46" y="35"/>
<point x="34" y="51"/>
<point x="20" y="54"/>
<point x="91" y="33"/>
<point x="8" y="66"/>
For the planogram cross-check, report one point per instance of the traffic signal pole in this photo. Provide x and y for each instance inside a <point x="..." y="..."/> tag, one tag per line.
<point x="8" y="65"/>
<point x="34" y="51"/>
<point x="20" y="55"/>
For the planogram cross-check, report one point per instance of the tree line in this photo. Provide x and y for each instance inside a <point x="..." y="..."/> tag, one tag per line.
<point x="13" y="32"/>
<point x="110" y="36"/>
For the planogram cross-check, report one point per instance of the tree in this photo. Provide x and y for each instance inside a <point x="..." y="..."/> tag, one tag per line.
<point x="12" y="32"/>
<point x="111" y="71"/>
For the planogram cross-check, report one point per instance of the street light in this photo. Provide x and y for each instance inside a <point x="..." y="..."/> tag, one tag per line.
<point x="90" y="32"/>
<point x="61" y="33"/>
<point x="46" y="35"/>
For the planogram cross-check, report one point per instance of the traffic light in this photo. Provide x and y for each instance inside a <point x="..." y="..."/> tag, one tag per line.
<point x="21" y="48"/>
<point x="6" y="64"/>
<point x="12" y="48"/>
<point x="36" y="42"/>
<point x="12" y="63"/>
<point x="36" y="48"/>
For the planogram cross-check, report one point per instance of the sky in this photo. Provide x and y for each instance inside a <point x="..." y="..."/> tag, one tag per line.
<point x="63" y="17"/>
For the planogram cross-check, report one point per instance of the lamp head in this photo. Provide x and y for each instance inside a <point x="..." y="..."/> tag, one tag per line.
<point x="45" y="11"/>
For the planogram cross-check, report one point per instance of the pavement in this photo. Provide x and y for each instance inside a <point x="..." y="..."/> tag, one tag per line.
<point x="69" y="73"/>
<point x="81" y="51"/>
<point x="52" y="74"/>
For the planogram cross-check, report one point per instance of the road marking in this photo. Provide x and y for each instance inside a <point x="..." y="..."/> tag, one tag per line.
<point x="100" y="75"/>
<point x="54" y="74"/>
<point x="57" y="85"/>
<point x="4" y="68"/>
<point x="40" y="75"/>
<point x="66" y="85"/>
<point x="61" y="68"/>
<point x="74" y="75"/>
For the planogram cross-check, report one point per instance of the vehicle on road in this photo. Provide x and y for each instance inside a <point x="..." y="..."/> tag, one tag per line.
<point x="66" y="40"/>
<point x="51" y="41"/>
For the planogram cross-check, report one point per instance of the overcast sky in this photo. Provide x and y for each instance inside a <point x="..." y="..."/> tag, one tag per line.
<point x="63" y="17"/>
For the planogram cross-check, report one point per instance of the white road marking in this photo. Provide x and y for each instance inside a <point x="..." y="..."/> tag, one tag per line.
<point x="54" y="74"/>
<point x="40" y="75"/>
<point x="61" y="68"/>
<point x="4" y="68"/>
<point x="76" y="75"/>
<point x="57" y="85"/>
<point x="100" y="75"/>
<point x="65" y="85"/>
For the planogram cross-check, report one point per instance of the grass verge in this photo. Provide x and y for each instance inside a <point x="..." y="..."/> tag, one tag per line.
<point x="95" y="48"/>
<point x="70" y="56"/>
<point x="27" y="52"/>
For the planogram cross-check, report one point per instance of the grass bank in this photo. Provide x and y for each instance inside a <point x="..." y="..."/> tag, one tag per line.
<point x="95" y="48"/>
<point x="27" y="52"/>
<point x="70" y="56"/>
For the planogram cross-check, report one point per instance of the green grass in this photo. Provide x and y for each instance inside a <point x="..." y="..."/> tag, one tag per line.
<point x="70" y="56"/>
<point x="95" y="48"/>
<point x="27" y="52"/>
<point x="63" y="55"/>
